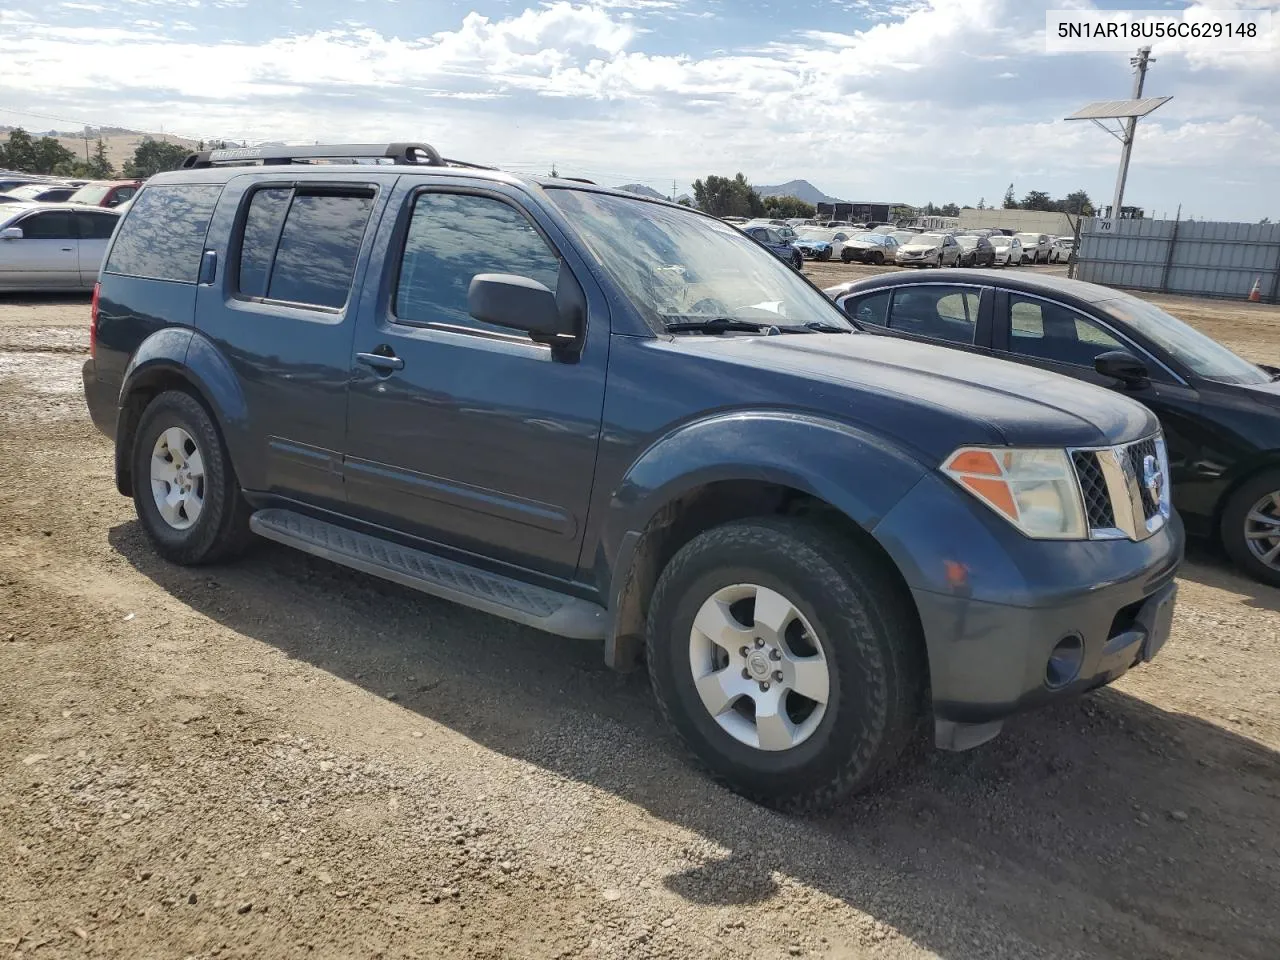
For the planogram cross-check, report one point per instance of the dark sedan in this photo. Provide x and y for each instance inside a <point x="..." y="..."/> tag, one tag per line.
<point x="773" y="240"/>
<point x="1220" y="413"/>
<point x="870" y="248"/>
<point x="975" y="252"/>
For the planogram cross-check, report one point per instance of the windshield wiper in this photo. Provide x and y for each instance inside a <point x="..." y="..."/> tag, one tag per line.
<point x="820" y="327"/>
<point x="722" y="325"/>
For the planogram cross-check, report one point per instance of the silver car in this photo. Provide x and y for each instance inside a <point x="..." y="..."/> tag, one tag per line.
<point x="53" y="246"/>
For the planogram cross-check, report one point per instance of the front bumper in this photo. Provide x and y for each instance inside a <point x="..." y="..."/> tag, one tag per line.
<point x="995" y="606"/>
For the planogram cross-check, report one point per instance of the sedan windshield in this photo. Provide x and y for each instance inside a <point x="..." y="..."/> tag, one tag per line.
<point x="676" y="265"/>
<point x="1190" y="347"/>
<point x="1001" y="241"/>
<point x="29" y="192"/>
<point x="967" y="242"/>
<point x="90" y="193"/>
<point x="926" y="240"/>
<point x="878" y="238"/>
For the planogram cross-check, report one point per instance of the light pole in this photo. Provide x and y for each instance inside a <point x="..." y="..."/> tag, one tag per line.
<point x="1139" y="63"/>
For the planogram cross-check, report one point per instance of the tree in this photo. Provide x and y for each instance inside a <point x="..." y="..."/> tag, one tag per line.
<point x="982" y="203"/>
<point x="553" y="169"/>
<point x="725" y="197"/>
<point x="154" y="156"/>
<point x="785" y="207"/>
<point x="1010" y="202"/>
<point x="99" y="166"/>
<point x="950" y="210"/>
<point x="1037" y="200"/>
<point x="1076" y="203"/>
<point x="29" y="155"/>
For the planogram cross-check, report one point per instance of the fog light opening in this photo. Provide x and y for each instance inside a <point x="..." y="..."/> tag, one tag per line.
<point x="1064" y="662"/>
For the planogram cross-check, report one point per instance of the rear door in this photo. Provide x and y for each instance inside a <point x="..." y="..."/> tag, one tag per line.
<point x="44" y="257"/>
<point x="94" y="230"/>
<point x="277" y="299"/>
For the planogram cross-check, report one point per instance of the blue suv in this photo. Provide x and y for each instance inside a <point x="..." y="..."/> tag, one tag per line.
<point x="621" y="420"/>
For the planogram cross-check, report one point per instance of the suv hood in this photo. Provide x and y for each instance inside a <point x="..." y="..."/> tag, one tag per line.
<point x="933" y="398"/>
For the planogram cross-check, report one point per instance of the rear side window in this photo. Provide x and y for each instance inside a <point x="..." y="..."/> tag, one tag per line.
<point x="163" y="234"/>
<point x="938" y="312"/>
<point x="95" y="226"/>
<point x="453" y="237"/>
<point x="301" y="246"/>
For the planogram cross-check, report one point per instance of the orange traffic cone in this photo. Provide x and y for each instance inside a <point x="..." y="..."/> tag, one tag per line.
<point x="1255" y="295"/>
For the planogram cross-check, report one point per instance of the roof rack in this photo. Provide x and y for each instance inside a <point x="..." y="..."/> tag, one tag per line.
<point x="409" y="154"/>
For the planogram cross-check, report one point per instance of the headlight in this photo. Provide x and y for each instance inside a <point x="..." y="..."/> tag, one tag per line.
<point x="1035" y="490"/>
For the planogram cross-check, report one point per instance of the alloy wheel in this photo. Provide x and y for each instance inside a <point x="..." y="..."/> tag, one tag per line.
<point x="759" y="667"/>
<point x="177" y="478"/>
<point x="1262" y="530"/>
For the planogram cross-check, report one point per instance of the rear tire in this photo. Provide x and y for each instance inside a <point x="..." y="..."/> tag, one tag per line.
<point x="846" y="256"/>
<point x="877" y="258"/>
<point x="1252" y="499"/>
<point x="848" y="613"/>
<point x="180" y="466"/>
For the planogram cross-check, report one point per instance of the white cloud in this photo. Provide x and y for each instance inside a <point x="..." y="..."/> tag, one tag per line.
<point x="953" y="93"/>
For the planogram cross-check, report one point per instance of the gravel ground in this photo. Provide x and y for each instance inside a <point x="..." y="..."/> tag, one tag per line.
<point x="282" y="758"/>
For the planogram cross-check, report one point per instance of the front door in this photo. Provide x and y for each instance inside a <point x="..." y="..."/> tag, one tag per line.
<point x="1056" y="337"/>
<point x="280" y="279"/>
<point x="465" y="434"/>
<point x="44" y="257"/>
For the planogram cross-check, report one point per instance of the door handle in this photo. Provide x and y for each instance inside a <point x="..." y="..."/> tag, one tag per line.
<point x="380" y="361"/>
<point x="67" y="249"/>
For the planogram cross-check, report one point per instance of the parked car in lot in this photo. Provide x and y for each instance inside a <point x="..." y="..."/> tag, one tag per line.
<point x="820" y="243"/>
<point x="929" y="250"/>
<point x="105" y="193"/>
<point x="1035" y="247"/>
<point x="873" y="248"/>
<point x="1220" y="413"/>
<point x="43" y="192"/>
<point x="772" y="239"/>
<point x="52" y="246"/>
<point x="975" y="251"/>
<point x="1061" y="248"/>
<point x="1007" y="250"/>
<point x="617" y="419"/>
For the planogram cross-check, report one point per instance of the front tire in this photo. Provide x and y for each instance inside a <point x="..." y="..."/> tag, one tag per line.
<point x="1250" y="527"/>
<point x="877" y="259"/>
<point x="797" y="262"/>
<point x="786" y="661"/>
<point x="184" y="488"/>
<point x="825" y="255"/>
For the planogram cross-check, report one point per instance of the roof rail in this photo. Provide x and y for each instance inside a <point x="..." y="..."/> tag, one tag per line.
<point x="422" y="154"/>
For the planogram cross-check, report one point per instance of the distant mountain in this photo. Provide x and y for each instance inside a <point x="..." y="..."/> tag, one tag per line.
<point x="642" y="190"/>
<point x="800" y="189"/>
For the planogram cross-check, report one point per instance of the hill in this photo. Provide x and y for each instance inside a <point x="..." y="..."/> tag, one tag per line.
<point x="641" y="190"/>
<point x="120" y="143"/>
<point x="800" y="189"/>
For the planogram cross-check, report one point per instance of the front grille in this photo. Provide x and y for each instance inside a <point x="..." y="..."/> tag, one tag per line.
<point x="1138" y="452"/>
<point x="1113" y="485"/>
<point x="1093" y="485"/>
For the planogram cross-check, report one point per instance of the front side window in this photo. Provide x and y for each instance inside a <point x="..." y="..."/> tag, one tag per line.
<point x="873" y="309"/>
<point x="162" y="237"/>
<point x="55" y="225"/>
<point x="938" y="312"/>
<point x="1048" y="331"/>
<point x="452" y="238"/>
<point x="301" y="245"/>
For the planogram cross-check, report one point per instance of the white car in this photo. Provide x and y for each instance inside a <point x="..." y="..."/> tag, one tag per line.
<point x="1061" y="249"/>
<point x="835" y="239"/>
<point x="53" y="246"/>
<point x="1008" y="250"/>
<point x="929" y="250"/>
<point x="1035" y="247"/>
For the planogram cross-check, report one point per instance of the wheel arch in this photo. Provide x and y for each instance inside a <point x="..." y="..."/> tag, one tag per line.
<point x="1242" y="474"/>
<point x="689" y="482"/>
<point x="176" y="359"/>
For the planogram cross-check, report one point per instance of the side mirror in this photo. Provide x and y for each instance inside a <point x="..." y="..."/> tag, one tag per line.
<point x="1123" y="366"/>
<point x="520" y="303"/>
<point x="11" y="233"/>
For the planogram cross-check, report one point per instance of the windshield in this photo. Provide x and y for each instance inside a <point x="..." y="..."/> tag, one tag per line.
<point x="1001" y="241"/>
<point x="869" y="238"/>
<point x="676" y="265"/>
<point x="1026" y="238"/>
<point x="91" y="193"/>
<point x="30" y="191"/>
<point x="1187" y="345"/>
<point x="926" y="240"/>
<point x="967" y="242"/>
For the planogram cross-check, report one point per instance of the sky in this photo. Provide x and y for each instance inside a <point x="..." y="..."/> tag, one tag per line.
<point x="907" y="100"/>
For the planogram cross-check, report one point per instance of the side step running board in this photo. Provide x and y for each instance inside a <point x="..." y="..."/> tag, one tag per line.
<point x="533" y="606"/>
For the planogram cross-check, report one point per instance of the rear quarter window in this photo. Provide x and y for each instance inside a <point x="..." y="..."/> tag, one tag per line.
<point x="162" y="237"/>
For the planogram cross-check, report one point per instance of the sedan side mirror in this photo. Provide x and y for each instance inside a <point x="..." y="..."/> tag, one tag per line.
<point x="1123" y="366"/>
<point x="520" y="303"/>
<point x="11" y="233"/>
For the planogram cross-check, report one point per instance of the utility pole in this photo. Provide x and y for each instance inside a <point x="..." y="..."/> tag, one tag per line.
<point x="1139" y="63"/>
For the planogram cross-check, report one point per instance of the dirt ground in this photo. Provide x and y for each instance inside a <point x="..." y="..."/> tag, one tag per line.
<point x="282" y="758"/>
